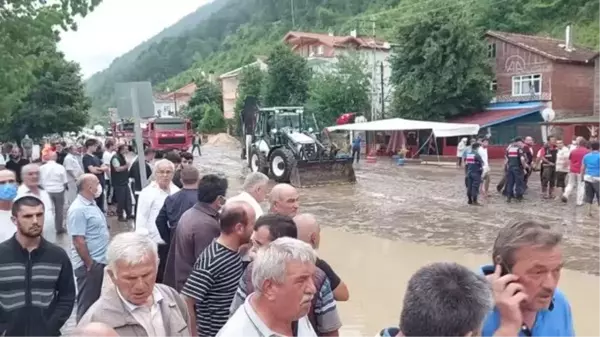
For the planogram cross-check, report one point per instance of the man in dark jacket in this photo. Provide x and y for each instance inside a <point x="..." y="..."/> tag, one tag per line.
<point x="168" y="217"/>
<point x="37" y="274"/>
<point x="134" y="174"/>
<point x="120" y="183"/>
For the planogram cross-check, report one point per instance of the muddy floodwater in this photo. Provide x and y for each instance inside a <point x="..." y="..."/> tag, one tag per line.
<point x="379" y="231"/>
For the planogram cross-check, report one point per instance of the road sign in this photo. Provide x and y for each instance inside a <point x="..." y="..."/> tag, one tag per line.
<point x="145" y="99"/>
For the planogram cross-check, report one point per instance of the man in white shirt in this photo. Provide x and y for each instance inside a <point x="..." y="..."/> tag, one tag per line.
<point x="483" y="153"/>
<point x="53" y="178"/>
<point x="254" y="192"/>
<point x="152" y="198"/>
<point x="282" y="277"/>
<point x="74" y="170"/>
<point x="31" y="186"/>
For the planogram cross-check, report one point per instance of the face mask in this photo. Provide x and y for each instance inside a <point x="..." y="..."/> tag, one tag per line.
<point x="98" y="191"/>
<point x="8" y="192"/>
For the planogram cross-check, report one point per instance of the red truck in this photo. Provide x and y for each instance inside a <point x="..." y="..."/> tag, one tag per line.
<point x="161" y="133"/>
<point x="166" y="133"/>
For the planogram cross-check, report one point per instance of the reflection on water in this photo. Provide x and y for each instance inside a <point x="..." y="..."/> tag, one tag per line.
<point x="377" y="271"/>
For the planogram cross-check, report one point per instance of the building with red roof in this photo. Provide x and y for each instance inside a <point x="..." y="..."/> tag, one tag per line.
<point x="533" y="73"/>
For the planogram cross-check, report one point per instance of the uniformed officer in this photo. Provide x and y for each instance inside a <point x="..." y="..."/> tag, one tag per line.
<point x="516" y="165"/>
<point x="474" y="170"/>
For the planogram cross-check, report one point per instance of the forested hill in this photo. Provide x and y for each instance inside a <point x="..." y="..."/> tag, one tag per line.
<point x="126" y="61"/>
<point x="237" y="30"/>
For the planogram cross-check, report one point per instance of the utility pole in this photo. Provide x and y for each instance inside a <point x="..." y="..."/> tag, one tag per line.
<point x="373" y="75"/>
<point x="293" y="16"/>
<point x="382" y="91"/>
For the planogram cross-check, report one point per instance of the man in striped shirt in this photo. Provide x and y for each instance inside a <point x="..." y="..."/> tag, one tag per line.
<point x="212" y="284"/>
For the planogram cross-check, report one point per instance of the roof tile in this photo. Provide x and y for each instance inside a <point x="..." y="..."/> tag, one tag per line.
<point x="337" y="41"/>
<point x="546" y="46"/>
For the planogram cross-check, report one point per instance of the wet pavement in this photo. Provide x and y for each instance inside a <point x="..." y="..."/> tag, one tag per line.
<point x="377" y="232"/>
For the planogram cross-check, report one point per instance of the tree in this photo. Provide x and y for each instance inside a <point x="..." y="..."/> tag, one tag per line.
<point x="213" y="120"/>
<point x="344" y="89"/>
<point x="206" y="94"/>
<point x="55" y="103"/>
<point x="440" y="67"/>
<point x="287" y="78"/>
<point x="27" y="38"/>
<point x="250" y="84"/>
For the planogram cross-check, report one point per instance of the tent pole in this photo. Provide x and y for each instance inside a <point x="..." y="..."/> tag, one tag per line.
<point x="437" y="150"/>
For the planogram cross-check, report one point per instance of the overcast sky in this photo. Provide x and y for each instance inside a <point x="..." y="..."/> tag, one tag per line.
<point x="117" y="26"/>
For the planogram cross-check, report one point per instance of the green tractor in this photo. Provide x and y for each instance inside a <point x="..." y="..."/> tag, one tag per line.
<point x="284" y="146"/>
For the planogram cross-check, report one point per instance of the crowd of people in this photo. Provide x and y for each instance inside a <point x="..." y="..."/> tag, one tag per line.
<point x="561" y="167"/>
<point x="195" y="263"/>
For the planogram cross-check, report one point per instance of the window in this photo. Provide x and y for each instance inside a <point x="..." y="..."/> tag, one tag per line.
<point x="527" y="85"/>
<point x="170" y="126"/>
<point x="493" y="86"/>
<point x="492" y="50"/>
<point x="316" y="50"/>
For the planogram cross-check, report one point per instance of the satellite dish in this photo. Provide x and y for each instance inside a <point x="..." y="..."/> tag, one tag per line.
<point x="360" y="119"/>
<point x="548" y="115"/>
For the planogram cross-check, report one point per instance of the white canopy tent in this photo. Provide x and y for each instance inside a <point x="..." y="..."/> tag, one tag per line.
<point x="439" y="129"/>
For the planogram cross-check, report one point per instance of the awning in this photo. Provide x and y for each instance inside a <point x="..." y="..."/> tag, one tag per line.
<point x="398" y="124"/>
<point x="594" y="119"/>
<point x="493" y="117"/>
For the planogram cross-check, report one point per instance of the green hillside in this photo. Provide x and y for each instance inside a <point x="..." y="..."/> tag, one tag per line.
<point x="98" y="84"/>
<point x="240" y="29"/>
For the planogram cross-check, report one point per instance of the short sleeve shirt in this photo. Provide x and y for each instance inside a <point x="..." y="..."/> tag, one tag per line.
<point x="84" y="218"/>
<point x="91" y="160"/>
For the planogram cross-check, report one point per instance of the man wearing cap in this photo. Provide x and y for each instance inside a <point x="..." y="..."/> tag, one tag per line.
<point x="516" y="166"/>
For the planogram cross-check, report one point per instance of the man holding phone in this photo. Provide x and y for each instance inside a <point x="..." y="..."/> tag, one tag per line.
<point x="527" y="265"/>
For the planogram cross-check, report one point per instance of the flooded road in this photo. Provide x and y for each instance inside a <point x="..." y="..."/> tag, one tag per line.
<point x="378" y="232"/>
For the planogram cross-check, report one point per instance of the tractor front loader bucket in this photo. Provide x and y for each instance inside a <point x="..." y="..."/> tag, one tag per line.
<point x="323" y="172"/>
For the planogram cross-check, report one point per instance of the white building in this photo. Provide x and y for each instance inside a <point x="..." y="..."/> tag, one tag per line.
<point x="323" y="50"/>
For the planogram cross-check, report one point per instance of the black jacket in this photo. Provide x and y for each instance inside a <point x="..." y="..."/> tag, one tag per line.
<point x="42" y="287"/>
<point x="134" y="172"/>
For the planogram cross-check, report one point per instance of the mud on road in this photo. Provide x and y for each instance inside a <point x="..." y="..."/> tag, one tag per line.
<point x="426" y="204"/>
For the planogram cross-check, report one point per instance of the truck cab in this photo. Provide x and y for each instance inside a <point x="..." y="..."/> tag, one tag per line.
<point x="165" y="133"/>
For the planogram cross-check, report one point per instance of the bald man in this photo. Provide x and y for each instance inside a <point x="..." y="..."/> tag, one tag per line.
<point x="309" y="231"/>
<point x="284" y="200"/>
<point x="87" y="227"/>
<point x="95" y="329"/>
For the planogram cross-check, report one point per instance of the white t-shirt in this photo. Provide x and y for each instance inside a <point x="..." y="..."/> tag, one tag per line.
<point x="7" y="227"/>
<point x="245" y="196"/>
<point x="2" y="160"/>
<point x="106" y="157"/>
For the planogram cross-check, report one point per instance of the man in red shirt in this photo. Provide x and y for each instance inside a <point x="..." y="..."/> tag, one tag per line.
<point x="575" y="160"/>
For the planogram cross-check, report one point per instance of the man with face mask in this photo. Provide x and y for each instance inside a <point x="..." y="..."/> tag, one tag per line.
<point x="197" y="227"/>
<point x="8" y="191"/>
<point x="87" y="227"/>
<point x="36" y="273"/>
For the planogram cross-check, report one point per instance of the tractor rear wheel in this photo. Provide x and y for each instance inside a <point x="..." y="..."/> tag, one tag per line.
<point x="281" y="165"/>
<point x="258" y="161"/>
